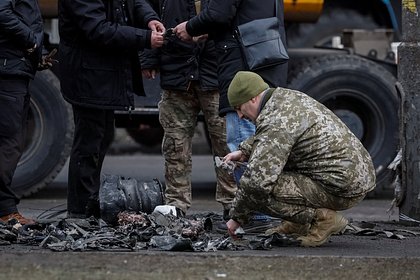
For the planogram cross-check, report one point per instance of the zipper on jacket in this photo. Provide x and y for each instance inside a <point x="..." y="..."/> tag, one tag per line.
<point x="124" y="11"/>
<point x="163" y="11"/>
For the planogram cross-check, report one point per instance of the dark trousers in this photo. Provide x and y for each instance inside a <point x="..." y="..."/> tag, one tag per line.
<point x="14" y="107"/>
<point x="94" y="132"/>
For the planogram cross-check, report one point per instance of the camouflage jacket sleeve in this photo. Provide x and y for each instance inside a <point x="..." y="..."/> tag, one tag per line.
<point x="263" y="168"/>
<point x="246" y="147"/>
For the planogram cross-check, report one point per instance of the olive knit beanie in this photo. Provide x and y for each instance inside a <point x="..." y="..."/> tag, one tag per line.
<point x="244" y="86"/>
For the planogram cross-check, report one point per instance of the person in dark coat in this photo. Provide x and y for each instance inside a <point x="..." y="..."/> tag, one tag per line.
<point x="21" y="36"/>
<point x="100" y="72"/>
<point x="188" y="77"/>
<point x="219" y="20"/>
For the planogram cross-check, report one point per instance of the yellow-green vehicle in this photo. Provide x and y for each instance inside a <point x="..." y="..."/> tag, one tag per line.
<point x="354" y="75"/>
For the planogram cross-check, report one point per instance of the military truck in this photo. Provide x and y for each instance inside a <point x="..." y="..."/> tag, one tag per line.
<point x="353" y="73"/>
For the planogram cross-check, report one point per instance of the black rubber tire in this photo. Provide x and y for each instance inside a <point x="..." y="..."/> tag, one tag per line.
<point x="331" y="23"/>
<point x="149" y="137"/>
<point x="363" y="95"/>
<point x="48" y="138"/>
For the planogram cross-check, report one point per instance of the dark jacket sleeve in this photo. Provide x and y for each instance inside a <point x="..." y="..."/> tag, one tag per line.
<point x="150" y="58"/>
<point x="90" y="17"/>
<point x="12" y="25"/>
<point x="218" y="13"/>
<point x="143" y="13"/>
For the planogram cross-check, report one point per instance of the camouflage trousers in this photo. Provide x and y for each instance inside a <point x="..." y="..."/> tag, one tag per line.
<point x="178" y="112"/>
<point x="295" y="198"/>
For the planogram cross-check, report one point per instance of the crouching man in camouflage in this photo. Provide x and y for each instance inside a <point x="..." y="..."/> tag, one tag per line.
<point x="304" y="164"/>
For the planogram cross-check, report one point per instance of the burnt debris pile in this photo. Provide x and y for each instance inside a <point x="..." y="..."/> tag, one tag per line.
<point x="134" y="232"/>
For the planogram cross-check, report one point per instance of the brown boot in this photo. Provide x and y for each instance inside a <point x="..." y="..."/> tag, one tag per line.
<point x="17" y="216"/>
<point x="287" y="227"/>
<point x="326" y="222"/>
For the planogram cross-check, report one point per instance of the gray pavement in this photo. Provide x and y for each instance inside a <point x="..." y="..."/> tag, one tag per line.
<point x="347" y="256"/>
<point x="146" y="167"/>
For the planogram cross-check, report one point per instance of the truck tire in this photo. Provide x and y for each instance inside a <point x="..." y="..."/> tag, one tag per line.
<point x="331" y="23"/>
<point x="49" y="136"/>
<point x="363" y="95"/>
<point x="148" y="137"/>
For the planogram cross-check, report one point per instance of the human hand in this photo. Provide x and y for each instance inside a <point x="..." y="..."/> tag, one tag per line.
<point x="233" y="156"/>
<point x="149" y="73"/>
<point x="156" y="25"/>
<point x="232" y="226"/>
<point x="181" y="32"/>
<point x="201" y="38"/>
<point x="47" y="60"/>
<point x="156" y="40"/>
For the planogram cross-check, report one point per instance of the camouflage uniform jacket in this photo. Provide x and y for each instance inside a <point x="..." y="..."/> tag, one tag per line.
<point x="295" y="133"/>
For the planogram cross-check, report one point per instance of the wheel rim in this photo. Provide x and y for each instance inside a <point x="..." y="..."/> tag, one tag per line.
<point x="360" y="114"/>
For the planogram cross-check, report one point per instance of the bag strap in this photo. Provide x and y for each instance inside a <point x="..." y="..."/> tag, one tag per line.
<point x="240" y="5"/>
<point x="197" y="6"/>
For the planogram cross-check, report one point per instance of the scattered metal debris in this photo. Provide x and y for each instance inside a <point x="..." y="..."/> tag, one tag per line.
<point x="135" y="231"/>
<point x="229" y="166"/>
<point x="393" y="231"/>
<point x="156" y="231"/>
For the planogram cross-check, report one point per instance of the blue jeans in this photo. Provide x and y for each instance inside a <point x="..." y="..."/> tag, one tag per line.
<point x="238" y="171"/>
<point x="237" y="130"/>
<point x="256" y="216"/>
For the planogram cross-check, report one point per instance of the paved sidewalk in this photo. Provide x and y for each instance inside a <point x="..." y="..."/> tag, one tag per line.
<point x="346" y="256"/>
<point x="203" y="200"/>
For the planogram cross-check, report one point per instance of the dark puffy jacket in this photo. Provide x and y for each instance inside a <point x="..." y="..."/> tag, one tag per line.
<point x="20" y="29"/>
<point x="219" y="20"/>
<point x="180" y="62"/>
<point x="98" y="53"/>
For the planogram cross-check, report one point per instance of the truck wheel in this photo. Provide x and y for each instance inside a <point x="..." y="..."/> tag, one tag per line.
<point x="148" y="137"/>
<point x="49" y="136"/>
<point x="363" y="95"/>
<point x="331" y="23"/>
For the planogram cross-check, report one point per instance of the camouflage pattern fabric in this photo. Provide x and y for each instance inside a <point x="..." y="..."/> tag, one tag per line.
<point x="178" y="112"/>
<point x="301" y="157"/>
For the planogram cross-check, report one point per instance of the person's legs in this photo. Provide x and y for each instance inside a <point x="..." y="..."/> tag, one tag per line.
<point x="178" y="113"/>
<point x="226" y="186"/>
<point x="302" y="201"/>
<point x="14" y="107"/>
<point x="8" y="162"/>
<point x="237" y="130"/>
<point x="94" y="131"/>
<point x="296" y="196"/>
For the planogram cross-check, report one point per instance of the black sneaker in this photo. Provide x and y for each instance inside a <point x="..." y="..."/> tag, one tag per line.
<point x="226" y="216"/>
<point x="92" y="208"/>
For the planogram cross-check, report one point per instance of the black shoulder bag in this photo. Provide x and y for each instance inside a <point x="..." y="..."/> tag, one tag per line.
<point x="261" y="42"/>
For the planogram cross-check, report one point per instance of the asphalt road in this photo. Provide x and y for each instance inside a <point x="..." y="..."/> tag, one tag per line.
<point x="347" y="256"/>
